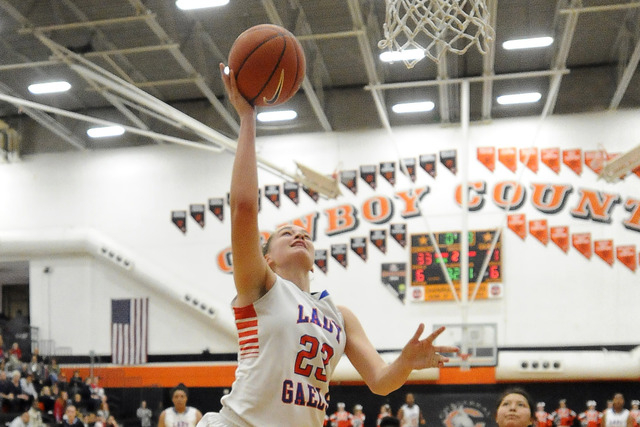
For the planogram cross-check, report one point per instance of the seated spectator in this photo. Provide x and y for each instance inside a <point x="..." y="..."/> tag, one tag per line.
<point x="17" y="400"/>
<point x="70" y="418"/>
<point x="35" y="415"/>
<point x="54" y="371"/>
<point x="60" y="406"/>
<point x="15" y="351"/>
<point x="62" y="382"/>
<point x="36" y="368"/>
<point x="21" y="420"/>
<point x="111" y="422"/>
<point x="12" y="363"/>
<point x="1" y="347"/>
<point x="92" y="420"/>
<point x="28" y="387"/>
<point x="46" y="402"/>
<point x="103" y="412"/>
<point x="76" y="385"/>
<point x="80" y="404"/>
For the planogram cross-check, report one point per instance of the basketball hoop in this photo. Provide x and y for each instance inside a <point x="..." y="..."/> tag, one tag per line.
<point x="436" y="26"/>
<point x="465" y="364"/>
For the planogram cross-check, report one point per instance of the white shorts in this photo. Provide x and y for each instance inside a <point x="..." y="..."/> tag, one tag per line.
<point x="212" y="419"/>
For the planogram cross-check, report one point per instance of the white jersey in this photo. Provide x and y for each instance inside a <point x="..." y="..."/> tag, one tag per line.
<point x="616" y="419"/>
<point x="180" y="419"/>
<point x="289" y="344"/>
<point x="410" y="416"/>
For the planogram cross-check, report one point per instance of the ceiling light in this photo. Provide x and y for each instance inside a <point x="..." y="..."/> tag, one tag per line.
<point x="413" y="107"/>
<point x="199" y="4"/>
<point x="105" y="132"/>
<point x="49" y="87"/>
<point x="405" y="55"/>
<point x="527" y="43"/>
<point x="519" y="98"/>
<point x="277" y="116"/>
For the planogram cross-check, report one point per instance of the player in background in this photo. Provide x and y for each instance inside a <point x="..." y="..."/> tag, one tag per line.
<point x="617" y="415"/>
<point x="591" y="417"/>
<point x="563" y="416"/>
<point x="542" y="417"/>
<point x="179" y="415"/>
<point x="410" y="414"/>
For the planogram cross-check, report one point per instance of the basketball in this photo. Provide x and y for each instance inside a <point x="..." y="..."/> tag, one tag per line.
<point x="269" y="65"/>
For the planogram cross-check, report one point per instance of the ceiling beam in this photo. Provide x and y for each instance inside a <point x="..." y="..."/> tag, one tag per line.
<point x="488" y="63"/>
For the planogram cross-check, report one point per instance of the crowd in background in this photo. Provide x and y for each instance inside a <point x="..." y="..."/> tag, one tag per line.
<point x="35" y="392"/>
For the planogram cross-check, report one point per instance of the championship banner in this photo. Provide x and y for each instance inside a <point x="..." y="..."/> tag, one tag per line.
<point x="311" y="193"/>
<point x="399" y="233"/>
<point x="428" y="163"/>
<point x="449" y="158"/>
<point x="507" y="156"/>
<point x="216" y="206"/>
<point x="539" y="229"/>
<point x="410" y="166"/>
<point x="604" y="249"/>
<point x="594" y="160"/>
<point x="320" y="259"/>
<point x="379" y="239"/>
<point x="582" y="242"/>
<point x="487" y="156"/>
<point x="272" y="193"/>
<point x="529" y="158"/>
<point x="394" y="276"/>
<point x="359" y="246"/>
<point x="517" y="224"/>
<point x="292" y="191"/>
<point x="348" y="179"/>
<point x="197" y="213"/>
<point x="573" y="159"/>
<point x="179" y="218"/>
<point x="388" y="172"/>
<point x="339" y="253"/>
<point x="627" y="256"/>
<point x="560" y="236"/>
<point x="551" y="158"/>
<point x="368" y="173"/>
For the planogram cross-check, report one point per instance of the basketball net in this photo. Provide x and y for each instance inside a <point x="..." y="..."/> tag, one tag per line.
<point x="435" y="27"/>
<point x="465" y="363"/>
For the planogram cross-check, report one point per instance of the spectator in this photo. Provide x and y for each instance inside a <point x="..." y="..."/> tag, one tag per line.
<point x="47" y="402"/>
<point x="342" y="417"/>
<point x="54" y="371"/>
<point x="103" y="411"/>
<point x="111" y="422"/>
<point x="80" y="404"/>
<point x="36" y="368"/>
<point x="563" y="416"/>
<point x="76" y="385"/>
<point x="543" y="418"/>
<point x="35" y="415"/>
<point x="15" y="351"/>
<point x="60" y="406"/>
<point x="71" y="417"/>
<point x="92" y="420"/>
<point x="97" y="394"/>
<point x="144" y="414"/>
<point x="28" y="387"/>
<point x="21" y="420"/>
<point x="17" y="399"/>
<point x="591" y="417"/>
<point x="1" y="347"/>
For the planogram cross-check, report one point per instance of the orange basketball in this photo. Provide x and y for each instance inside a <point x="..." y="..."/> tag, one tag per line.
<point x="269" y="64"/>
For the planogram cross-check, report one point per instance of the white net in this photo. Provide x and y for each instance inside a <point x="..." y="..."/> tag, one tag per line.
<point x="435" y="27"/>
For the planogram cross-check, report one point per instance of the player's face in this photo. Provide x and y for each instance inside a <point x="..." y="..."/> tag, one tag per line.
<point x="291" y="242"/>
<point x="179" y="399"/>
<point x="618" y="401"/>
<point x="514" y="411"/>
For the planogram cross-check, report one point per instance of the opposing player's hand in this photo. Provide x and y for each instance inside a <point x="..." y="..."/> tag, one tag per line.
<point x="237" y="100"/>
<point x="421" y="354"/>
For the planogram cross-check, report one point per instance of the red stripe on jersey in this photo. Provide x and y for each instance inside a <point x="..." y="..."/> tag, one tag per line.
<point x="249" y="341"/>
<point x="245" y="312"/>
<point x="247" y="324"/>
<point x="247" y="333"/>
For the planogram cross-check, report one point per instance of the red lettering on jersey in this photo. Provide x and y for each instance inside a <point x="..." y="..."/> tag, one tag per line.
<point x="595" y="205"/>
<point x="309" y="222"/>
<point x="508" y="194"/>
<point x="377" y="210"/>
<point x="341" y="219"/>
<point x="633" y="222"/>
<point x="476" y="201"/>
<point x="550" y="198"/>
<point x="411" y="198"/>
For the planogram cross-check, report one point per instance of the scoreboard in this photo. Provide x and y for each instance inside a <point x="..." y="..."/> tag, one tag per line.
<point x="426" y="264"/>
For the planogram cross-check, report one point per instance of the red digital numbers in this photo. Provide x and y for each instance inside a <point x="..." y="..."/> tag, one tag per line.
<point x="424" y="258"/>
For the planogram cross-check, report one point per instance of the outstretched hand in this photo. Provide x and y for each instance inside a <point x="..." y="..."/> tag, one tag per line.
<point x="237" y="100"/>
<point x="422" y="354"/>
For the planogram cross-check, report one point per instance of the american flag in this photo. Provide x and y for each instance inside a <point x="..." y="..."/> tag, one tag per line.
<point x="129" y="325"/>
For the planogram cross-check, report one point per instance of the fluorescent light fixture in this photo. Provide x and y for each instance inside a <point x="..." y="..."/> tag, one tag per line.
<point x="519" y="98"/>
<point x="49" y="87"/>
<point x="276" y="116"/>
<point x="199" y="4"/>
<point x="529" y="43"/>
<point x="405" y="55"/>
<point x="105" y="132"/>
<point x="413" y="107"/>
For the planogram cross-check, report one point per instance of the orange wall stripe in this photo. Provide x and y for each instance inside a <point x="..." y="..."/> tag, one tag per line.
<point x="475" y="375"/>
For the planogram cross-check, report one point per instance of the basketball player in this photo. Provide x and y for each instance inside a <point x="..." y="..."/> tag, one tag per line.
<point x="591" y="417"/>
<point x="179" y="415"/>
<point x="290" y="339"/>
<point x="410" y="414"/>
<point x="617" y="415"/>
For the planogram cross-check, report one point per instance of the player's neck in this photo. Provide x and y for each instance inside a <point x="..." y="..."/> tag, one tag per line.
<point x="298" y="277"/>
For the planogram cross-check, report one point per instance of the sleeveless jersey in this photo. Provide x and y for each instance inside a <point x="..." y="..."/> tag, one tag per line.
<point x="616" y="419"/>
<point x="410" y="416"/>
<point x="290" y="342"/>
<point x="183" y="419"/>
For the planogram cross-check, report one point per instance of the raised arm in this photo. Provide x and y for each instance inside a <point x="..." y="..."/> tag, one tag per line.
<point x="251" y="274"/>
<point x="383" y="378"/>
